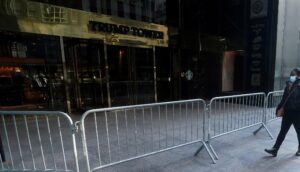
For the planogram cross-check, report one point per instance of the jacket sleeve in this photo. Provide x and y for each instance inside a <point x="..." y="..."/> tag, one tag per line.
<point x="285" y="94"/>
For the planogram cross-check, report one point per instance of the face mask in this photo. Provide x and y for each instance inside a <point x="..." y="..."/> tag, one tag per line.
<point x="292" y="78"/>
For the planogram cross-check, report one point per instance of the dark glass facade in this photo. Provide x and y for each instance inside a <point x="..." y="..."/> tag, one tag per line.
<point x="208" y="54"/>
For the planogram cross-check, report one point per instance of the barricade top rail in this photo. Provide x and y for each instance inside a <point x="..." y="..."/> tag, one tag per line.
<point x="274" y="92"/>
<point x="37" y="113"/>
<point x="136" y="106"/>
<point x="236" y="96"/>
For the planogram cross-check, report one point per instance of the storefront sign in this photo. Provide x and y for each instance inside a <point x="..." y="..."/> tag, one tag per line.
<point x="40" y="18"/>
<point x="125" y="30"/>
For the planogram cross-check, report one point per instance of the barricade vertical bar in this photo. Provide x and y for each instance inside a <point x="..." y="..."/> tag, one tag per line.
<point x="173" y="123"/>
<point x="85" y="150"/>
<point x="251" y="104"/>
<point x="166" y="106"/>
<point x="40" y="141"/>
<point x="108" y="140"/>
<point x="135" y="130"/>
<point x="247" y="115"/>
<point x="257" y="110"/>
<point x="244" y="111"/>
<point x="209" y="134"/>
<point x="180" y="126"/>
<point x="236" y="117"/>
<point x="144" y="131"/>
<point x="250" y="101"/>
<point x="231" y="114"/>
<point x="117" y="128"/>
<point x="223" y="120"/>
<point x="151" y="113"/>
<point x="97" y="138"/>
<point x="197" y="127"/>
<point x="228" y="115"/>
<point x="261" y="105"/>
<point x="217" y="108"/>
<point x="62" y="142"/>
<point x="159" y="125"/>
<point x="18" y="140"/>
<point x="192" y="121"/>
<point x="7" y="141"/>
<point x="186" y="122"/>
<point x="266" y="106"/>
<point x="29" y="142"/>
<point x="126" y="125"/>
<point x="50" y="138"/>
<point x="74" y="147"/>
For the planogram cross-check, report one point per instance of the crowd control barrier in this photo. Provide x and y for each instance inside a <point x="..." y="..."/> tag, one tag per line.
<point x="272" y="100"/>
<point x="114" y="135"/>
<point x="45" y="140"/>
<point x="230" y="114"/>
<point x="37" y="141"/>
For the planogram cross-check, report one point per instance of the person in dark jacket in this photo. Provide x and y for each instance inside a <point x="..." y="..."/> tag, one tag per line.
<point x="291" y="105"/>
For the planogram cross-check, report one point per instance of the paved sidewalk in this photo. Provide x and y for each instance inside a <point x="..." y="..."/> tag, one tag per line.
<point x="241" y="152"/>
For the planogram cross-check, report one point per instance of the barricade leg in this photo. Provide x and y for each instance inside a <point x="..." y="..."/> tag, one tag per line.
<point x="256" y="131"/>
<point x="265" y="127"/>
<point x="211" y="152"/>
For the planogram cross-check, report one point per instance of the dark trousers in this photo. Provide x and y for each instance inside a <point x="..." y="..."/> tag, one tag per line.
<point x="2" y="151"/>
<point x="288" y="119"/>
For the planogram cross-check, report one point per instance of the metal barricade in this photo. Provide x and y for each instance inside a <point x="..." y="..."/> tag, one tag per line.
<point x="38" y="141"/>
<point x="112" y="136"/>
<point x="272" y="100"/>
<point x="230" y="114"/>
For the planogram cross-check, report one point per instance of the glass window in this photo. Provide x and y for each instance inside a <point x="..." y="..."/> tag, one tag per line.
<point x="30" y="72"/>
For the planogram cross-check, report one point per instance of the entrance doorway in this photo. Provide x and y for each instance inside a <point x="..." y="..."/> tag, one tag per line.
<point x="101" y="75"/>
<point x="131" y="75"/>
<point x="85" y="73"/>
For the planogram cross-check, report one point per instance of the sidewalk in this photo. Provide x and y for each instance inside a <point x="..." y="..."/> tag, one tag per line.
<point x="241" y="152"/>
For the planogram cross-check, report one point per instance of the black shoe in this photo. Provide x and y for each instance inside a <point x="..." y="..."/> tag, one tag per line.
<point x="272" y="151"/>
<point x="298" y="152"/>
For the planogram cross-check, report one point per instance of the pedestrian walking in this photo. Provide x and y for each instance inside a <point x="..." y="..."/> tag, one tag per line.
<point x="289" y="108"/>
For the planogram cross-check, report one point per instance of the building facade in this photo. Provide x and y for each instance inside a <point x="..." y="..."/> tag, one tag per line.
<point x="78" y="55"/>
<point x="288" y="41"/>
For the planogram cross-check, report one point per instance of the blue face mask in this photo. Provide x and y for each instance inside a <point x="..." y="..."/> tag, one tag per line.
<point x="293" y="78"/>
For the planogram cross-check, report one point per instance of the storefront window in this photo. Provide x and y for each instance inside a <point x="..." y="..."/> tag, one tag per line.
<point x="30" y="72"/>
